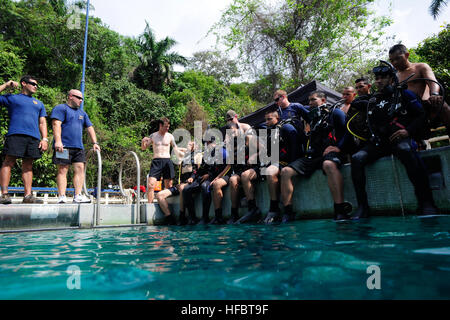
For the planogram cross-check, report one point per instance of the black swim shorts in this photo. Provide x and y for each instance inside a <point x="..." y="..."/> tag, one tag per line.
<point x="162" y="166"/>
<point x="22" y="146"/>
<point x="75" y="156"/>
<point x="307" y="166"/>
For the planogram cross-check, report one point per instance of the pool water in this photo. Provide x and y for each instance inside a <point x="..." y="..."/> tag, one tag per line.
<point x="317" y="259"/>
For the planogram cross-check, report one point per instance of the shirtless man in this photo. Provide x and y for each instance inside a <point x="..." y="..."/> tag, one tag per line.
<point x="161" y="164"/>
<point x="348" y="95"/>
<point x="427" y="91"/>
<point x="232" y="118"/>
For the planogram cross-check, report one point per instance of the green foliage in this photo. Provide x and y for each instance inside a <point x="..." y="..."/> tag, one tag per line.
<point x="124" y="104"/>
<point x="301" y="40"/>
<point x="214" y="63"/>
<point x="215" y="98"/>
<point x="54" y="48"/>
<point x="156" y="62"/>
<point x="11" y="61"/>
<point x="44" y="171"/>
<point x="436" y="7"/>
<point x="195" y="112"/>
<point x="94" y="110"/>
<point x="50" y="97"/>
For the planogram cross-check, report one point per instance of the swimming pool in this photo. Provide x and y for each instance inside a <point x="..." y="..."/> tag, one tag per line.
<point x="317" y="259"/>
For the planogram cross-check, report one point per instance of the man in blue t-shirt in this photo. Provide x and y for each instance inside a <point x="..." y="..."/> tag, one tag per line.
<point x="293" y="114"/>
<point x="23" y="140"/>
<point x="68" y="122"/>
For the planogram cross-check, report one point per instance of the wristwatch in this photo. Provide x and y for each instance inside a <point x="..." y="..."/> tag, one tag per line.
<point x="435" y="94"/>
<point x="45" y="139"/>
<point x="96" y="143"/>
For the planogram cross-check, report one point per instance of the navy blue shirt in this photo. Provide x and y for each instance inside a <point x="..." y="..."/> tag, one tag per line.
<point x="24" y="113"/>
<point x="73" y="123"/>
<point x="293" y="110"/>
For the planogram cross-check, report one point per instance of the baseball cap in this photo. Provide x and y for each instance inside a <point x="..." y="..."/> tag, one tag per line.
<point x="230" y="115"/>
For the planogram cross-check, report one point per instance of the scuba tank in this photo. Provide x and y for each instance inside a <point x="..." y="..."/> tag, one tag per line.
<point x="322" y="133"/>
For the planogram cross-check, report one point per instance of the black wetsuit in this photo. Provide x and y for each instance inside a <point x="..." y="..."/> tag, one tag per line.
<point x="292" y="128"/>
<point x="204" y="187"/>
<point x="383" y="122"/>
<point x="356" y="124"/>
<point x="327" y="129"/>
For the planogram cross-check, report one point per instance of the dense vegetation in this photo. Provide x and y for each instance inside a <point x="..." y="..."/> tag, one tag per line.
<point x="131" y="82"/>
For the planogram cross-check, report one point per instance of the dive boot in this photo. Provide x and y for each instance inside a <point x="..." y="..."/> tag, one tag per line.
<point x="288" y="217"/>
<point x="218" y="218"/>
<point x="182" y="220"/>
<point x="253" y="216"/>
<point x="342" y="211"/>
<point x="362" y="212"/>
<point x="427" y="208"/>
<point x="169" y="220"/>
<point x="272" y="217"/>
<point x="233" y="219"/>
<point x="192" y="220"/>
<point x="204" y="220"/>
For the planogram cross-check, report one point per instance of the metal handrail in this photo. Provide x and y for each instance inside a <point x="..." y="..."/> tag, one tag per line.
<point x="96" y="219"/>
<point x="137" y="217"/>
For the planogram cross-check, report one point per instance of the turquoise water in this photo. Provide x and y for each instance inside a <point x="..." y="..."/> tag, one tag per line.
<point x="303" y="260"/>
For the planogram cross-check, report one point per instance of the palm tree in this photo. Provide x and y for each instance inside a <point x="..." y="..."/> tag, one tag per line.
<point x="436" y="7"/>
<point x="156" y="62"/>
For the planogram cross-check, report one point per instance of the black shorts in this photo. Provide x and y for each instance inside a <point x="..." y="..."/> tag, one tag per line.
<point x="174" y="191"/>
<point x="226" y="178"/>
<point x="22" y="146"/>
<point x="185" y="176"/>
<point x="307" y="166"/>
<point x="75" y="156"/>
<point x="162" y="166"/>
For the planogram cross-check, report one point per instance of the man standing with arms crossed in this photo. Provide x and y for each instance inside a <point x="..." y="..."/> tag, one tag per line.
<point x="161" y="164"/>
<point x="27" y="125"/>
<point x="68" y="122"/>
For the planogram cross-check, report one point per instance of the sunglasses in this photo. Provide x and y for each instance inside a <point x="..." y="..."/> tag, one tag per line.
<point x="277" y="99"/>
<point x="34" y="84"/>
<point x="78" y="97"/>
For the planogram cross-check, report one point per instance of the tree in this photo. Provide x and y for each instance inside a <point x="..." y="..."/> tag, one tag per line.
<point x="302" y="40"/>
<point x="156" y="62"/>
<point x="436" y="7"/>
<point x="54" y="51"/>
<point x="213" y="63"/>
<point x="11" y="61"/>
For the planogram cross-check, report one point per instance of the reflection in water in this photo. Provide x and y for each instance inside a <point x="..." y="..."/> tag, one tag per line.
<point x="303" y="260"/>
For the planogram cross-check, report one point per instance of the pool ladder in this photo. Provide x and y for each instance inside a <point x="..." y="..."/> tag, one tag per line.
<point x="96" y="217"/>
<point x="137" y="216"/>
